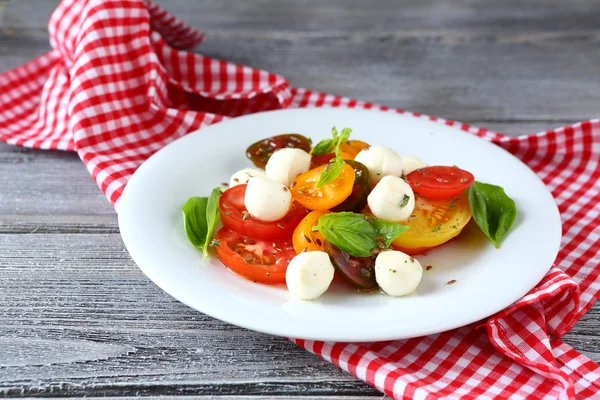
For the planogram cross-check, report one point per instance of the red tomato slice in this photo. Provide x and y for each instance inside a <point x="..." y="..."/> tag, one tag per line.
<point x="439" y="182"/>
<point x="317" y="161"/>
<point x="235" y="217"/>
<point x="258" y="260"/>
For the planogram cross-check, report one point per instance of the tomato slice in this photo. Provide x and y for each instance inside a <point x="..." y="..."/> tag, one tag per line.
<point x="304" y="188"/>
<point x="258" y="260"/>
<point x="433" y="222"/>
<point x="260" y="152"/>
<point x="439" y="182"/>
<point x="317" y="161"/>
<point x="360" y="191"/>
<point x="357" y="271"/>
<point x="236" y="218"/>
<point x="349" y="149"/>
<point x="304" y="238"/>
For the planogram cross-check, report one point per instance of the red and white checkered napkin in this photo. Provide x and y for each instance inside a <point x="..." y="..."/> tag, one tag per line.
<point x="115" y="90"/>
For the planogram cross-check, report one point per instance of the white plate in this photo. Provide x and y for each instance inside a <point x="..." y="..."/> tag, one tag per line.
<point x="487" y="279"/>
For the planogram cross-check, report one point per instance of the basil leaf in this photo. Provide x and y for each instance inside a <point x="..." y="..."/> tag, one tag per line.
<point x="200" y="215"/>
<point x="345" y="135"/>
<point x="389" y="230"/>
<point x="356" y="234"/>
<point x="492" y="209"/>
<point x="329" y="145"/>
<point x="350" y="232"/>
<point x="194" y="218"/>
<point x="323" y="147"/>
<point x="331" y="172"/>
<point x="212" y="216"/>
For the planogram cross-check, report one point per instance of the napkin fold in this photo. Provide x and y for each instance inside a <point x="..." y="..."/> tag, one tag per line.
<point x="120" y="83"/>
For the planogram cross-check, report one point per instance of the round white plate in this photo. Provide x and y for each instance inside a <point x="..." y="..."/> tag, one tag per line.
<point x="487" y="279"/>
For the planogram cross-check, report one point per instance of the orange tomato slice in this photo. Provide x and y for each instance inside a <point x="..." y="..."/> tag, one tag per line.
<point x="304" y="189"/>
<point x="349" y="149"/>
<point x="304" y="239"/>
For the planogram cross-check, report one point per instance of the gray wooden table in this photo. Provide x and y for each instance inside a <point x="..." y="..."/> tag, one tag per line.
<point x="78" y="318"/>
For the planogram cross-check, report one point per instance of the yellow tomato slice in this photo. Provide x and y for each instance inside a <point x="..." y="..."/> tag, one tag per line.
<point x="434" y="222"/>
<point x="304" y="188"/>
<point x="304" y="238"/>
<point x="349" y="149"/>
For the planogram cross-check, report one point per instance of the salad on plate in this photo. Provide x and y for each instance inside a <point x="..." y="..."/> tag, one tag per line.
<point x="343" y="207"/>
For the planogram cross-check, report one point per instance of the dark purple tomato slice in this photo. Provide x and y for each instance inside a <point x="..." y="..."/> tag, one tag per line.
<point x="357" y="271"/>
<point x="360" y="191"/>
<point x="260" y="152"/>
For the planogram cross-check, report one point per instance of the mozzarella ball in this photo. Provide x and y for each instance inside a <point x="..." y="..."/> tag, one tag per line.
<point x="411" y="163"/>
<point x="243" y="175"/>
<point x="309" y="275"/>
<point x="397" y="273"/>
<point x="381" y="161"/>
<point x="392" y="199"/>
<point x="267" y="200"/>
<point x="286" y="164"/>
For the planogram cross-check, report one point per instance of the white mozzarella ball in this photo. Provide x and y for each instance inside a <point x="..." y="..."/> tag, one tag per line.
<point x="244" y="175"/>
<point x="411" y="163"/>
<point x="381" y="161"/>
<point x="392" y="199"/>
<point x="309" y="275"/>
<point x="267" y="200"/>
<point x="286" y="164"/>
<point x="397" y="273"/>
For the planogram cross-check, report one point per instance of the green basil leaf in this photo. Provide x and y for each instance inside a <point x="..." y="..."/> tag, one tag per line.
<point x="356" y="234"/>
<point x="329" y="145"/>
<point x="345" y="135"/>
<point x="323" y="147"/>
<point x="212" y="216"/>
<point x="350" y="232"/>
<point x="200" y="215"/>
<point x="389" y="230"/>
<point x="194" y="218"/>
<point x="331" y="172"/>
<point x="492" y="209"/>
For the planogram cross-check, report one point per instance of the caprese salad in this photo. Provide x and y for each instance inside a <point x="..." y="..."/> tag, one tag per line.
<point x="345" y="207"/>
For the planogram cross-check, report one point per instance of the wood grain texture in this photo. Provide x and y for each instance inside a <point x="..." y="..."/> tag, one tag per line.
<point x="469" y="61"/>
<point x="78" y="318"/>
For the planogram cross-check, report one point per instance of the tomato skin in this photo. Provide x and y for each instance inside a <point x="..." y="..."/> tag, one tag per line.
<point x="439" y="182"/>
<point x="360" y="190"/>
<point x="433" y="223"/>
<point x="232" y="208"/>
<point x="357" y="271"/>
<point x="241" y="255"/>
<point x="349" y="149"/>
<point x="260" y="152"/>
<point x="304" y="189"/>
<point x="317" y="161"/>
<point x="304" y="238"/>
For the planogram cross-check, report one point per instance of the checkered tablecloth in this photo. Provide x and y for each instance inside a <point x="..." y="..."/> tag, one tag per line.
<point x="119" y="85"/>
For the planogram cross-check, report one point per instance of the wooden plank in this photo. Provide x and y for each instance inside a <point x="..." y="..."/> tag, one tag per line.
<point x="238" y="397"/>
<point x="355" y="15"/>
<point x="74" y="309"/>
<point x="505" y="64"/>
<point x="78" y="318"/>
<point x="39" y="182"/>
